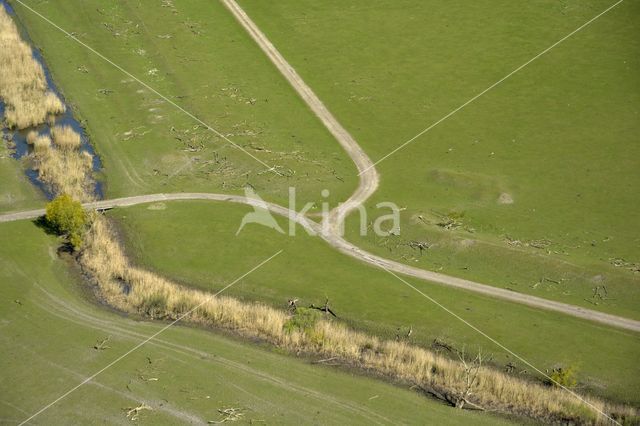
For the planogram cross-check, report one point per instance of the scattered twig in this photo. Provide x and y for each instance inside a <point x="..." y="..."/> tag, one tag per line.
<point x="134" y="413"/>
<point x="102" y="344"/>
<point x="228" y="415"/>
<point x="327" y="359"/>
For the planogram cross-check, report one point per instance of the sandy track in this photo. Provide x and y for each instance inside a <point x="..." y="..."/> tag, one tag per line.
<point x="351" y="250"/>
<point x="369" y="179"/>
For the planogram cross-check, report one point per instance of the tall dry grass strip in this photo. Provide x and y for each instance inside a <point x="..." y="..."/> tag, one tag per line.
<point x="40" y="143"/>
<point x="65" y="172"/>
<point x="135" y="290"/>
<point x="61" y="165"/>
<point x="23" y="86"/>
<point x="65" y="137"/>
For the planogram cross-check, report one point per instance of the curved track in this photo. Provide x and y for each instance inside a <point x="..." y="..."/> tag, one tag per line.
<point x="344" y="246"/>
<point x="369" y="179"/>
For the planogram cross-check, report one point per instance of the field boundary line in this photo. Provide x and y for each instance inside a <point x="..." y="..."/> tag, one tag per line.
<point x="139" y="345"/>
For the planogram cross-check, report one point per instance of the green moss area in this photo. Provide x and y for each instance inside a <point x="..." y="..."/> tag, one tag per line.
<point x="559" y="138"/>
<point x="196" y="55"/>
<point x="48" y="339"/>
<point x="195" y="243"/>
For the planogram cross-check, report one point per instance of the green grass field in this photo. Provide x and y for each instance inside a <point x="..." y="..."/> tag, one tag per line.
<point x="185" y="375"/>
<point x="560" y="137"/>
<point x="194" y="243"/>
<point x="567" y="157"/>
<point x="532" y="188"/>
<point x="16" y="192"/>
<point x="196" y="55"/>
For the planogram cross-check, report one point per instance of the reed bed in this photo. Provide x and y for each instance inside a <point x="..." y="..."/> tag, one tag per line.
<point x="23" y="86"/>
<point x="40" y="143"/>
<point x="65" y="137"/>
<point x="61" y="165"/>
<point x="65" y="172"/>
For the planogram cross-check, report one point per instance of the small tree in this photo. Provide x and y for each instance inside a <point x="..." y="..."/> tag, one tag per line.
<point x="67" y="217"/>
<point x="471" y="369"/>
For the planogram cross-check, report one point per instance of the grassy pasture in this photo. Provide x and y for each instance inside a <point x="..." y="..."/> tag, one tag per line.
<point x="197" y="55"/>
<point x="560" y="138"/>
<point x="16" y="192"/>
<point x="197" y="372"/>
<point x="194" y="243"/>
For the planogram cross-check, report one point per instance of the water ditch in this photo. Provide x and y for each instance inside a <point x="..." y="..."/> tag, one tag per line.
<point x="17" y="139"/>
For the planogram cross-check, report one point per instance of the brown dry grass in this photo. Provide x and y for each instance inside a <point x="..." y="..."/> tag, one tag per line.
<point x="23" y="86"/>
<point x="65" y="169"/>
<point x="135" y="290"/>
<point x="40" y="143"/>
<point x="65" y="137"/>
<point x="66" y="172"/>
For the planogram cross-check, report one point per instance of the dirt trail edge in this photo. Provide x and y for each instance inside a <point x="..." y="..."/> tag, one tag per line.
<point x="351" y="250"/>
<point x="368" y="175"/>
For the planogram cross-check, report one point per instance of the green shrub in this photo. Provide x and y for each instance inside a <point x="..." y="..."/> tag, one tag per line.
<point x="67" y="217"/>
<point x="564" y="377"/>
<point x="303" y="320"/>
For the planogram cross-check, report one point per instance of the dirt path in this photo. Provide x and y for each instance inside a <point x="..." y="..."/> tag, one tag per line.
<point x="368" y="184"/>
<point x="351" y="250"/>
<point x="369" y="176"/>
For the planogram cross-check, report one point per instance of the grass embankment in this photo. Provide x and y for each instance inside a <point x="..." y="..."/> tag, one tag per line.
<point x="559" y="138"/>
<point x="23" y="86"/>
<point x="47" y="346"/>
<point x="204" y="252"/>
<point x="197" y="55"/>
